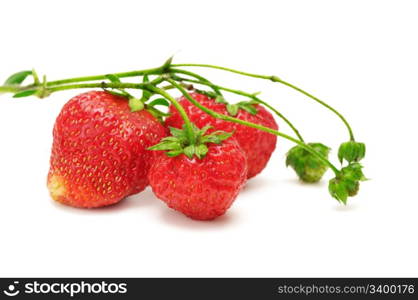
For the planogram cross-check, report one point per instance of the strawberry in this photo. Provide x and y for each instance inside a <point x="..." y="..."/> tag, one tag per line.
<point x="257" y="145"/>
<point x="200" y="180"/>
<point x="99" y="152"/>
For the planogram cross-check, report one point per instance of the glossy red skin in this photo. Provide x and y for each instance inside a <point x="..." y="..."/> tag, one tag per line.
<point x="202" y="189"/>
<point x="257" y="145"/>
<point x="99" y="150"/>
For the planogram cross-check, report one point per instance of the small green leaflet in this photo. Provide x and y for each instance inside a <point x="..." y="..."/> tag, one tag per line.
<point x="179" y="143"/>
<point x="113" y="78"/>
<point x="24" y="94"/>
<point x="159" y="101"/>
<point x="17" y="78"/>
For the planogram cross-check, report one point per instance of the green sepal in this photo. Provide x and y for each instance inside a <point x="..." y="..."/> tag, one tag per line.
<point x="249" y="108"/>
<point x="232" y="109"/>
<point x="308" y="166"/>
<point x="201" y="150"/>
<point x="210" y="94"/>
<point x="351" y="151"/>
<point x="189" y="151"/>
<point x="216" y="137"/>
<point x="347" y="182"/>
<point x="179" y="143"/>
<point x="17" y="78"/>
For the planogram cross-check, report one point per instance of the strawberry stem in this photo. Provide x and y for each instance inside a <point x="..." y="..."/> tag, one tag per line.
<point x="190" y="133"/>
<point x="198" y="77"/>
<point x="249" y="124"/>
<point x="153" y="71"/>
<point x="242" y="93"/>
<point x="275" y="79"/>
<point x="104" y="85"/>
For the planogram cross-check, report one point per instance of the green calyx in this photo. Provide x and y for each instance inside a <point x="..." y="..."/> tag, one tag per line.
<point x="351" y="151"/>
<point x="179" y="143"/>
<point x="248" y="106"/>
<point x="347" y="182"/>
<point x="232" y="109"/>
<point x="307" y="166"/>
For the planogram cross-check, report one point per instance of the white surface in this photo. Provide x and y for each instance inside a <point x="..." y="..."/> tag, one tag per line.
<point x="361" y="56"/>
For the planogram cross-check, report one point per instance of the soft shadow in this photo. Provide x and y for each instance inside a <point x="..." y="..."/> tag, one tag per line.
<point x="140" y="200"/>
<point x="296" y="181"/>
<point x="258" y="183"/>
<point x="349" y="207"/>
<point x="174" y="218"/>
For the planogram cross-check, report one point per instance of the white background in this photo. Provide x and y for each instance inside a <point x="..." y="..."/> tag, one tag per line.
<point x="360" y="56"/>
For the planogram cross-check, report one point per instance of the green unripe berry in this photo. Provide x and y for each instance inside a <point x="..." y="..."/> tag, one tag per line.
<point x="351" y="152"/>
<point x="307" y="166"/>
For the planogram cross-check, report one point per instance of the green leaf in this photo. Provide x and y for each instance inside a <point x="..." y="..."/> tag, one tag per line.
<point x="136" y="104"/>
<point x="159" y="101"/>
<point x="232" y="109"/>
<point x="24" y="94"/>
<point x="112" y="78"/>
<point x="17" y="78"/>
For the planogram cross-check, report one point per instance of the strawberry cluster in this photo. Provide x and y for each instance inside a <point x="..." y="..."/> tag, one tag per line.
<point x="196" y="154"/>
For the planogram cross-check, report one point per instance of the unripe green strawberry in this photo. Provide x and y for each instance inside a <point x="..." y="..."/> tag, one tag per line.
<point x="351" y="151"/>
<point x="307" y="166"/>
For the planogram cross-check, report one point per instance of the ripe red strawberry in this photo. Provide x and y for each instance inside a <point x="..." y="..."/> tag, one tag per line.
<point x="201" y="181"/>
<point x="257" y="145"/>
<point x="99" y="153"/>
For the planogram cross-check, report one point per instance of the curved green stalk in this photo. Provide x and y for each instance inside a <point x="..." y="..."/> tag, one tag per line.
<point x="198" y="77"/>
<point x="153" y="71"/>
<point x="104" y="85"/>
<point x="249" y="124"/>
<point x="9" y="89"/>
<point x="180" y="109"/>
<point x="275" y="79"/>
<point x="242" y="93"/>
